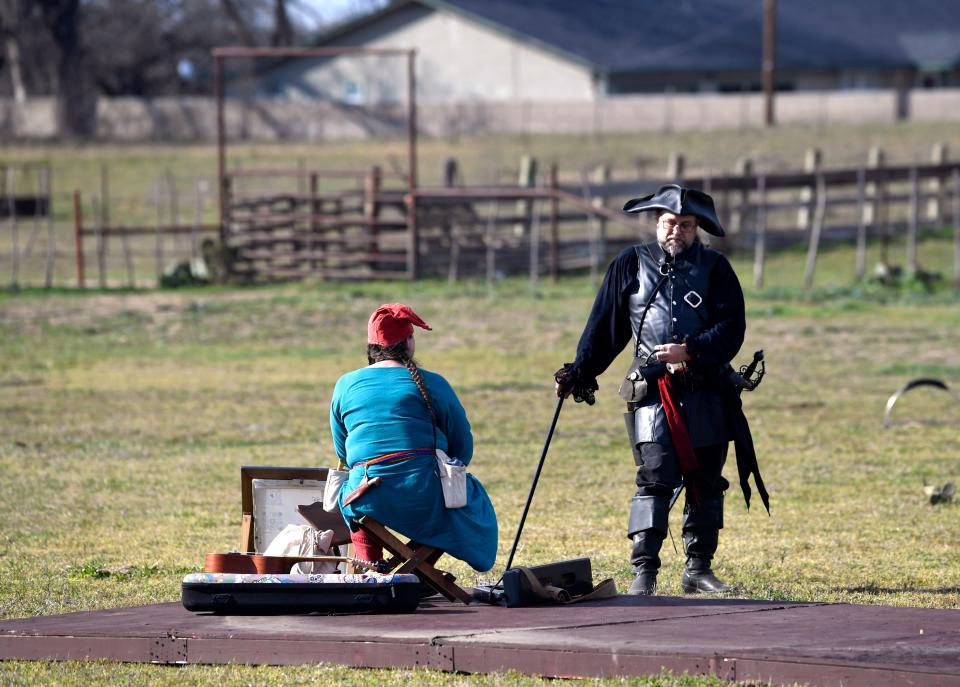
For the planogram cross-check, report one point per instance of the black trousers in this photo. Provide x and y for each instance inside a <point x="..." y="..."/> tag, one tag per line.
<point x="658" y="473"/>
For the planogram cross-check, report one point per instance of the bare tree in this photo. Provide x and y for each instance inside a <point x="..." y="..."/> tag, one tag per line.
<point x="77" y="50"/>
<point x="26" y="51"/>
<point x="249" y="20"/>
<point x="151" y="40"/>
<point x="241" y="22"/>
<point x="75" y="102"/>
<point x="11" y="13"/>
<point x="282" y="28"/>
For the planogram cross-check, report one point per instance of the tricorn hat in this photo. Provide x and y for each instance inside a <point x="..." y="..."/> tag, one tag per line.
<point x="680" y="201"/>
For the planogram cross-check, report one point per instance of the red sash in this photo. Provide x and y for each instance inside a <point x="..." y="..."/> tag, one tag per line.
<point x="682" y="446"/>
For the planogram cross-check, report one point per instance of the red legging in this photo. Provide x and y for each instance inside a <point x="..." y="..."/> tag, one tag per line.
<point x="366" y="549"/>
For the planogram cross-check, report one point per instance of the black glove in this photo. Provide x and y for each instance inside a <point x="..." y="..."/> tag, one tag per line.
<point x="569" y="381"/>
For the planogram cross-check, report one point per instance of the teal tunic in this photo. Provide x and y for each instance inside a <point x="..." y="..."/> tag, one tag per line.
<point x="379" y="410"/>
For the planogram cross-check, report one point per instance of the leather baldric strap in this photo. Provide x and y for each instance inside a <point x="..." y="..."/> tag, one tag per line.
<point x="650" y="298"/>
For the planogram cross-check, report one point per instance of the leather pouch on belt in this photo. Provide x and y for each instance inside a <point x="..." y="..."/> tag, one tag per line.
<point x="633" y="389"/>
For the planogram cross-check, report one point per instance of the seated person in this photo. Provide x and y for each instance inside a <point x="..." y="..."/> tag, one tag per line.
<point x="387" y="419"/>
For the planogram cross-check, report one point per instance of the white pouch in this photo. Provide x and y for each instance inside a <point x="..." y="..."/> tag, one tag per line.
<point x="303" y="540"/>
<point x="453" y="481"/>
<point x="331" y="489"/>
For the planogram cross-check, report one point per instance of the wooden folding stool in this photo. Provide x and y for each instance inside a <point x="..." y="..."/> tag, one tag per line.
<point x="413" y="558"/>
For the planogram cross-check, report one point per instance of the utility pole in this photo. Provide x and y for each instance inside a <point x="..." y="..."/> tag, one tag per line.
<point x="769" y="59"/>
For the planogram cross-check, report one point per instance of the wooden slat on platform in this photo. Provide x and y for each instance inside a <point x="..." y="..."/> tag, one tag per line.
<point x="820" y="644"/>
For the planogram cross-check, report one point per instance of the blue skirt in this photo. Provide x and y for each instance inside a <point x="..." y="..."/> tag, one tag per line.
<point x="410" y="502"/>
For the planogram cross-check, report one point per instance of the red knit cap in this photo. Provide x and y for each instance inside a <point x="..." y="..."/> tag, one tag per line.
<point x="392" y="323"/>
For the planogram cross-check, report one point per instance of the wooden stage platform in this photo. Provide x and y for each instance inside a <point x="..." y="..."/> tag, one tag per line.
<point x="819" y="644"/>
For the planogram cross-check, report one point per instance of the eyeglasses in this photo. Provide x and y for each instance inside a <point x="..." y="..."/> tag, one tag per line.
<point x="685" y="226"/>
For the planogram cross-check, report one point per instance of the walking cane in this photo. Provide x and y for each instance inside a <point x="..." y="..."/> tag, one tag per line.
<point x="533" y="487"/>
<point x="501" y="590"/>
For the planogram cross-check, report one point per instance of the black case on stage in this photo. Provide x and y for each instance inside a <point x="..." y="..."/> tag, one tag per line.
<point x="575" y="576"/>
<point x="293" y="598"/>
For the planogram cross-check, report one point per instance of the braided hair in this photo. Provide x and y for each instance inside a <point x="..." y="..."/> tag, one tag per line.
<point x="399" y="352"/>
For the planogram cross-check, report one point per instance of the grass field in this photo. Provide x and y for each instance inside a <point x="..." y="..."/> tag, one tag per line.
<point x="135" y="167"/>
<point x="137" y="172"/>
<point x="125" y="418"/>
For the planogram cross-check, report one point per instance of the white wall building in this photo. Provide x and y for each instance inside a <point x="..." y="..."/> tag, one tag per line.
<point x="581" y="51"/>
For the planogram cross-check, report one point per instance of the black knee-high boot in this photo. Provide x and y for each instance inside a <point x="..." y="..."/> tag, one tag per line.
<point x="647" y="529"/>
<point x="701" y="535"/>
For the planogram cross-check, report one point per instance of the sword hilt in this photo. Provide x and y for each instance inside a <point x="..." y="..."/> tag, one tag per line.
<point x="749" y="376"/>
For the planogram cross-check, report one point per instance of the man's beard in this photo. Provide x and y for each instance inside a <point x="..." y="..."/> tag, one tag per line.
<point x="673" y="246"/>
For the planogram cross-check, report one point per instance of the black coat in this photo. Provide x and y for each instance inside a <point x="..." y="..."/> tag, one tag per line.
<point x="699" y="302"/>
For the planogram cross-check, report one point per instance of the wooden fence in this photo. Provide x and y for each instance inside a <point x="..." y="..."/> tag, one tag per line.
<point x="854" y="204"/>
<point x="548" y="228"/>
<point x="357" y="230"/>
<point x="297" y="223"/>
<point x="364" y="232"/>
